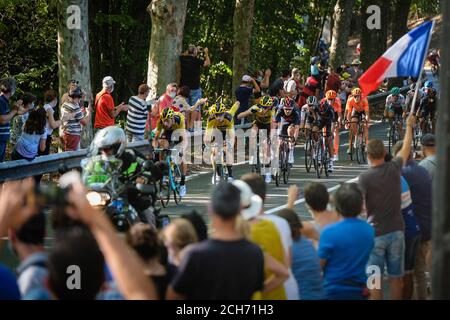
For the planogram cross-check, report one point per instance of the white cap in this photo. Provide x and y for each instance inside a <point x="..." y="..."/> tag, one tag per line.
<point x="246" y="78"/>
<point x="108" y="80"/>
<point x="251" y="203"/>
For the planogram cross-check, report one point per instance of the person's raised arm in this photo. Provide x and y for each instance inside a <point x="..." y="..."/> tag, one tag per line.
<point x="126" y="267"/>
<point x="266" y="79"/>
<point x="207" y="62"/>
<point x="405" y="151"/>
<point x="256" y="88"/>
<point x="292" y="196"/>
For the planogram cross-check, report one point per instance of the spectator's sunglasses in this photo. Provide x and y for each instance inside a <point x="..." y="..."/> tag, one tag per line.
<point x="74" y="81"/>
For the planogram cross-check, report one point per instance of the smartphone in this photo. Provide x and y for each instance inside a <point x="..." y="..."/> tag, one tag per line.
<point x="86" y="104"/>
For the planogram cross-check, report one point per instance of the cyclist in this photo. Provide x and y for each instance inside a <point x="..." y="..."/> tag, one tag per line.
<point x="306" y="113"/>
<point x="264" y="112"/>
<point x="287" y="119"/>
<point x="332" y="99"/>
<point x="220" y="123"/>
<point x="321" y="116"/>
<point x="168" y="123"/>
<point x="410" y="96"/>
<point x="434" y="59"/>
<point x="356" y="110"/>
<point x="427" y="106"/>
<point x="395" y="108"/>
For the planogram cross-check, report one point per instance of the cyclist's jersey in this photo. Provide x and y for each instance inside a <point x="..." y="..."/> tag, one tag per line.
<point x="336" y="104"/>
<point x="226" y="124"/>
<point x="292" y="119"/>
<point x="428" y="103"/>
<point x="433" y="58"/>
<point x="262" y="116"/>
<point x="325" y="112"/>
<point x="178" y="123"/>
<point x="361" y="106"/>
<point x="396" y="106"/>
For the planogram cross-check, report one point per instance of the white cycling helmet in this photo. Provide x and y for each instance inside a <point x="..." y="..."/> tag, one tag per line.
<point x="312" y="100"/>
<point x="109" y="137"/>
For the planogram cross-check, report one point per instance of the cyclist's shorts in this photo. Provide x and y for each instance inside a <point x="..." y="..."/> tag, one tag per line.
<point x="263" y="126"/>
<point x="394" y="111"/>
<point x="284" y="129"/>
<point x="224" y="134"/>
<point x="166" y="135"/>
<point x="358" y="115"/>
<point x="427" y="112"/>
<point x="321" y="123"/>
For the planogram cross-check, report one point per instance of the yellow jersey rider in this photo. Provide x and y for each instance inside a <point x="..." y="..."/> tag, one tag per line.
<point x="171" y="122"/>
<point x="264" y="113"/>
<point x="220" y="128"/>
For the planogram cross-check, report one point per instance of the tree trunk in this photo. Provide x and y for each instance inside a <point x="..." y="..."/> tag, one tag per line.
<point x="73" y="51"/>
<point x="399" y="23"/>
<point x="242" y="25"/>
<point x="168" y="17"/>
<point x="374" y="41"/>
<point x="343" y="12"/>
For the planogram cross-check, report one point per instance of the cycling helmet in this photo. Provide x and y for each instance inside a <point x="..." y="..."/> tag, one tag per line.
<point x="167" y="113"/>
<point x="395" y="91"/>
<point x="312" y="100"/>
<point x="331" y="94"/>
<point x="75" y="92"/>
<point x="315" y="59"/>
<point x="266" y="102"/>
<point x="356" y="92"/>
<point x="428" y="84"/>
<point x="109" y="137"/>
<point x="217" y="108"/>
<point x="287" y="103"/>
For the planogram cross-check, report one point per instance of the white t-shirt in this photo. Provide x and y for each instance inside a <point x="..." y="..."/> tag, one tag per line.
<point x="290" y="286"/>
<point x="47" y="126"/>
<point x="290" y="86"/>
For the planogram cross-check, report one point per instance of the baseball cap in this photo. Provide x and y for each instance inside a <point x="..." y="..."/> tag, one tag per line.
<point x="251" y="203"/>
<point x="428" y="140"/>
<point x="108" y="80"/>
<point x="246" y="78"/>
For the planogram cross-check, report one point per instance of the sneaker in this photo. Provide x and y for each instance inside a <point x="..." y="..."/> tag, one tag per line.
<point x="230" y="178"/>
<point x="268" y="178"/>
<point x="336" y="157"/>
<point x="182" y="191"/>
<point x="291" y="158"/>
<point x="330" y="167"/>
<point x="215" y="177"/>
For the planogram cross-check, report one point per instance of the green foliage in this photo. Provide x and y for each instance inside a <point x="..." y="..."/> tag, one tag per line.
<point x="28" y="46"/>
<point x="426" y="7"/>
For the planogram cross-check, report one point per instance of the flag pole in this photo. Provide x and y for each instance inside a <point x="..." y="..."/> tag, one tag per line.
<point x="419" y="80"/>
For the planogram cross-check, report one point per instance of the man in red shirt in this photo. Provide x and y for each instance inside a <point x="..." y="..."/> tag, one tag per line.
<point x="105" y="111"/>
<point x="333" y="81"/>
<point x="165" y="101"/>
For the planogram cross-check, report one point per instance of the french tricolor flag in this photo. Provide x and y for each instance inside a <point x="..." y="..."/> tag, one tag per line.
<point x="404" y="59"/>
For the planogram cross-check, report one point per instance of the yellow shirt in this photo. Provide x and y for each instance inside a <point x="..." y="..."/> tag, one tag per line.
<point x="263" y="116"/>
<point x="265" y="234"/>
<point x="228" y="120"/>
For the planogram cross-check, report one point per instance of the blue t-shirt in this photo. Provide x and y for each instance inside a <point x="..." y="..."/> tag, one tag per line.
<point x="306" y="269"/>
<point x="9" y="290"/>
<point x="419" y="182"/>
<point x="315" y="70"/>
<point x="28" y="144"/>
<point x="411" y="226"/>
<point x="346" y="245"/>
<point x="4" y="110"/>
<point x="243" y="94"/>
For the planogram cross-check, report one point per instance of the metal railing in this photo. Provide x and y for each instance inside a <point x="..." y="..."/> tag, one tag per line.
<point x="47" y="164"/>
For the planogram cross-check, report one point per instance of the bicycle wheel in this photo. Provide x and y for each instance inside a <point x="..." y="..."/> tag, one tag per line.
<point x="175" y="183"/>
<point x="416" y="137"/>
<point x="352" y="148"/>
<point x="309" y="158"/>
<point x="318" y="160"/>
<point x="287" y="168"/>
<point x="164" y="191"/>
<point x="282" y="165"/>
<point x="325" y="158"/>
<point x="358" y="149"/>
<point x="391" y="138"/>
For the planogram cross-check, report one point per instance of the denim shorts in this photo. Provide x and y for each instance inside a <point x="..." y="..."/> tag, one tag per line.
<point x="389" y="251"/>
<point x="194" y="97"/>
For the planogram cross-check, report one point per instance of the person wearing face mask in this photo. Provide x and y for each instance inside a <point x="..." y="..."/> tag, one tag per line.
<point x="164" y="102"/>
<point x="17" y="124"/>
<point x="106" y="112"/>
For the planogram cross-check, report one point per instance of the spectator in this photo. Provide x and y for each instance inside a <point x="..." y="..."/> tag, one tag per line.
<point x="333" y="80"/>
<point x="71" y="84"/>
<point x="277" y="87"/>
<point x="264" y="233"/>
<point x="262" y="78"/>
<point x="137" y="114"/>
<point x="105" y="111"/>
<point x="144" y="239"/>
<point x="75" y="118"/>
<point x="428" y="143"/>
<point x="259" y="187"/>
<point x="7" y="90"/>
<point x="17" y="124"/>
<point x="345" y="247"/>
<point x="355" y="71"/>
<point x="28" y="244"/>
<point x="189" y="67"/>
<point x="191" y="113"/>
<point x="314" y="68"/>
<point x="165" y="101"/>
<point x="33" y="138"/>
<point x="305" y="262"/>
<point x="381" y="188"/>
<point x="199" y="224"/>
<point x="311" y="88"/>
<point x="178" y="235"/>
<point x="293" y="86"/>
<point x="203" y="273"/>
<point x="316" y="199"/>
<point x="419" y="182"/>
<point x="243" y="94"/>
<point x="51" y="101"/>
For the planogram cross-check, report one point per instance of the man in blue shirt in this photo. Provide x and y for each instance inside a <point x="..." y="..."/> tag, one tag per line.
<point x="7" y="89"/>
<point x="345" y="247"/>
<point x="243" y="94"/>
